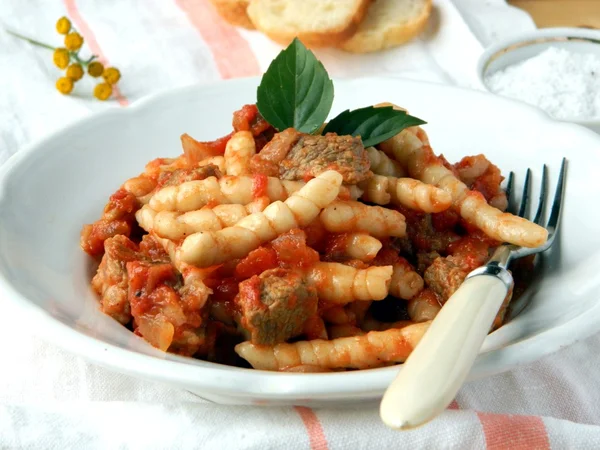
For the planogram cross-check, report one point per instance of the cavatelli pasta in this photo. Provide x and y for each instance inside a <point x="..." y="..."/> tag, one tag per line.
<point x="204" y="249"/>
<point x="412" y="152"/>
<point x="381" y="164"/>
<point x="193" y="195"/>
<point x="341" y="284"/>
<point x="175" y="225"/>
<point x="374" y="349"/>
<point x="238" y="153"/>
<point x="407" y="192"/>
<point x="351" y="216"/>
<point x="406" y="282"/>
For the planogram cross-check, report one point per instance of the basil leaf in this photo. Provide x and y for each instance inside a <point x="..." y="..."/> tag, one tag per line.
<point x="295" y="91"/>
<point x="373" y="125"/>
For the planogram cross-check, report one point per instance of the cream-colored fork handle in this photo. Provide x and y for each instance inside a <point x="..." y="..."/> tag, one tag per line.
<point x="431" y="376"/>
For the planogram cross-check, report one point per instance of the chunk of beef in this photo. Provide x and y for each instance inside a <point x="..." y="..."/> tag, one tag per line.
<point x="274" y="306"/>
<point x="179" y="176"/>
<point x="444" y="277"/>
<point x="297" y="156"/>
<point x="110" y="282"/>
<point x="153" y="249"/>
<point x="425" y="259"/>
<point x="118" y="218"/>
<point x="425" y="237"/>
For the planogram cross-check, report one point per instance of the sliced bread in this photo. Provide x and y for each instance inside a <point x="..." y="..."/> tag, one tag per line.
<point x="317" y="23"/>
<point x="389" y="23"/>
<point x="234" y="12"/>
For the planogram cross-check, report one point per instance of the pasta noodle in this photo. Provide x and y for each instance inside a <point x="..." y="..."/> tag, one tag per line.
<point x="424" y="306"/>
<point x="238" y="152"/>
<point x="341" y="284"/>
<point x="357" y="352"/>
<point x="208" y="248"/>
<point x="174" y="225"/>
<point x="405" y="283"/>
<point x="415" y="154"/>
<point x="341" y="217"/>
<point x="193" y="195"/>
<point x="381" y="164"/>
<point x="407" y="192"/>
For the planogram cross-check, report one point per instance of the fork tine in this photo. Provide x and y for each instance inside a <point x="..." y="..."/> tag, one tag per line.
<point x="525" y="196"/>
<point x="542" y="203"/>
<point x="558" y="200"/>
<point x="509" y="189"/>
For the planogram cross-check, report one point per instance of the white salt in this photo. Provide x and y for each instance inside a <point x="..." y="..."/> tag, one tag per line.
<point x="564" y="84"/>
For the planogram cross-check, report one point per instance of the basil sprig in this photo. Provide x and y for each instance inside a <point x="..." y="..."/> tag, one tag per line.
<point x="373" y="125"/>
<point x="296" y="92"/>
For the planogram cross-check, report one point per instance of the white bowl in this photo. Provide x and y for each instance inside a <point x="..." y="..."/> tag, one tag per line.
<point x="51" y="188"/>
<point x="518" y="48"/>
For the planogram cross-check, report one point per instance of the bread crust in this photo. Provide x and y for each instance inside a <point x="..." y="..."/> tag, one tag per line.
<point x="367" y="40"/>
<point x="329" y="38"/>
<point x="235" y="12"/>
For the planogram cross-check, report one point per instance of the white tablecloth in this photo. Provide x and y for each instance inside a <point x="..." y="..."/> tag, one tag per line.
<point x="51" y="399"/>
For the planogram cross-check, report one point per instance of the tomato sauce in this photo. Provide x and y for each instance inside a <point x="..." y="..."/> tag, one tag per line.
<point x="249" y="119"/>
<point x="386" y="257"/>
<point x="257" y="261"/>
<point x="224" y="289"/>
<point x="118" y="218"/>
<point x="292" y="251"/>
<point x="147" y="285"/>
<point x="445" y="220"/>
<point x="260" y="182"/>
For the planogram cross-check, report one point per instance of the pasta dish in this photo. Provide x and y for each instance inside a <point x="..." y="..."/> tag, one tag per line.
<point x="298" y="252"/>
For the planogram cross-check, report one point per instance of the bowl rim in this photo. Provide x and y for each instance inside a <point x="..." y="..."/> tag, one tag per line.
<point x="541" y="35"/>
<point x="250" y="383"/>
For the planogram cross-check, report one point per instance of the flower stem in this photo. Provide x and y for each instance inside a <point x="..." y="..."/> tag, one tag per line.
<point x="31" y="41"/>
<point x="82" y="62"/>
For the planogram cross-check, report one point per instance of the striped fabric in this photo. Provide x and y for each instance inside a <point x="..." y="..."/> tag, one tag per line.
<point x="51" y="399"/>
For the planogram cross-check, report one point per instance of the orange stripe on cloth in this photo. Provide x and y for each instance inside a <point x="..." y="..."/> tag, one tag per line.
<point x="453" y="405"/>
<point x="514" y="432"/>
<point x="231" y="52"/>
<point x="316" y="435"/>
<point x="90" y="39"/>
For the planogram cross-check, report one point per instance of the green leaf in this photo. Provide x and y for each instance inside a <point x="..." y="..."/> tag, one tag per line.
<point x="373" y="125"/>
<point x="295" y="91"/>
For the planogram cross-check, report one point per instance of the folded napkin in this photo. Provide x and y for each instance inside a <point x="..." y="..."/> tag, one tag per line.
<point x="51" y="399"/>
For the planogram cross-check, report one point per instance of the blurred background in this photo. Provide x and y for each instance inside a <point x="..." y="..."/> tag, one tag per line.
<point x="560" y="13"/>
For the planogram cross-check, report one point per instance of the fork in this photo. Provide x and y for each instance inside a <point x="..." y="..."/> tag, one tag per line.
<point x="433" y="373"/>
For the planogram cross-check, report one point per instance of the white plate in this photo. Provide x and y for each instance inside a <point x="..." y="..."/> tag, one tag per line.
<point x="49" y="190"/>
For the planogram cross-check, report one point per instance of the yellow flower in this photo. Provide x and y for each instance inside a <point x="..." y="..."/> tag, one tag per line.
<point x="111" y="75"/>
<point x="61" y="58"/>
<point x="63" y="25"/>
<point x="95" y="69"/>
<point x="73" y="41"/>
<point x="75" y="72"/>
<point x="102" y="91"/>
<point x="64" y="85"/>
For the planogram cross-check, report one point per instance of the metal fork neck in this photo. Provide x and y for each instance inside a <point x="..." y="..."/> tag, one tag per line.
<point x="501" y="256"/>
<point x="497" y="266"/>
